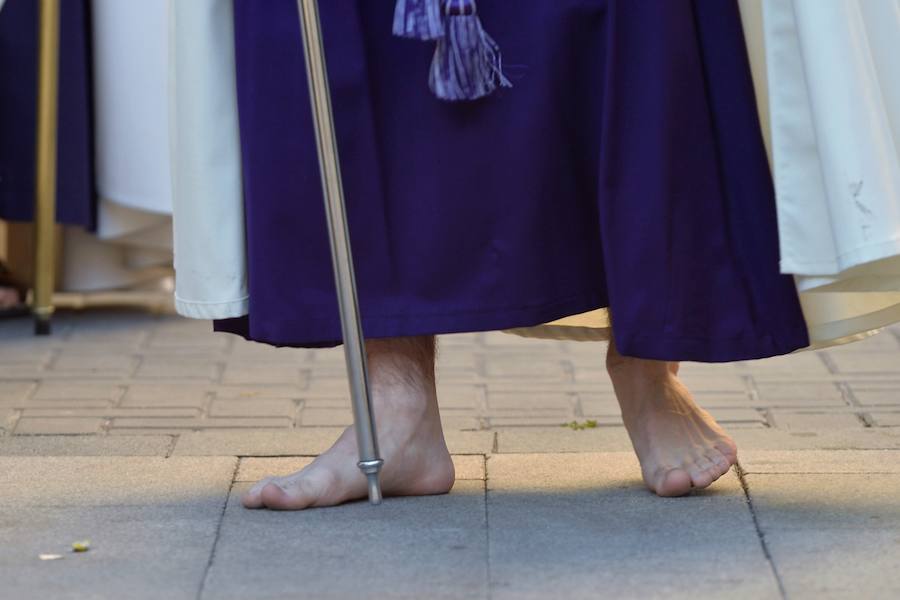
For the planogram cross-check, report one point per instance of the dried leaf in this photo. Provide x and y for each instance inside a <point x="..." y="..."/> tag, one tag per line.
<point x="82" y="546"/>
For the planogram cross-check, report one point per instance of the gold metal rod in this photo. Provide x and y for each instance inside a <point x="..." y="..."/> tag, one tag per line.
<point x="45" y="165"/>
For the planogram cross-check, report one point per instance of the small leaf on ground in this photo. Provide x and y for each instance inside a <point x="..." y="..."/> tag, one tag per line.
<point x="82" y="546"/>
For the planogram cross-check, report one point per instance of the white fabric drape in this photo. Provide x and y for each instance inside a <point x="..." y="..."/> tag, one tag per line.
<point x="828" y="82"/>
<point x="133" y="241"/>
<point x="210" y="263"/>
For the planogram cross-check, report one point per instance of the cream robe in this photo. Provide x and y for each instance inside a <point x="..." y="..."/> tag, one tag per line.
<point x="207" y="202"/>
<point x="209" y="243"/>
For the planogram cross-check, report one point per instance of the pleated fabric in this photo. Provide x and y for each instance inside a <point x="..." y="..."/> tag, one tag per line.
<point x="625" y="169"/>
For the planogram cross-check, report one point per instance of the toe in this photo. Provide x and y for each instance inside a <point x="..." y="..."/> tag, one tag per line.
<point x="701" y="477"/>
<point x="673" y="482"/>
<point x="277" y="497"/>
<point x="252" y="498"/>
<point x="721" y="462"/>
<point x="728" y="449"/>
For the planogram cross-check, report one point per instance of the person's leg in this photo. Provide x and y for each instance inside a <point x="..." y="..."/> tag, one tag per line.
<point x="410" y="437"/>
<point x="679" y="445"/>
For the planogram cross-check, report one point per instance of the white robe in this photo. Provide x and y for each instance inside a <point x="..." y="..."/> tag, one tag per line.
<point x="828" y="85"/>
<point x="209" y="246"/>
<point x="210" y="263"/>
<point x="133" y="241"/>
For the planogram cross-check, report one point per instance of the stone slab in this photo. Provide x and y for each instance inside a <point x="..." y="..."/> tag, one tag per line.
<point x="86" y="445"/>
<point x="831" y="535"/>
<point x="306" y="441"/>
<point x="581" y="525"/>
<point x="820" y="461"/>
<point x="562" y="439"/>
<point x="433" y="547"/>
<point x="137" y="552"/>
<point x="96" y="481"/>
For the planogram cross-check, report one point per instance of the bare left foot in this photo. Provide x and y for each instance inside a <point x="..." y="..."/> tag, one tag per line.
<point x="679" y="445"/>
<point x="410" y="437"/>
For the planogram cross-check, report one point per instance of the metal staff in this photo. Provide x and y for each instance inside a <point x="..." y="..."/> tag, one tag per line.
<point x="342" y="259"/>
<point x="45" y="165"/>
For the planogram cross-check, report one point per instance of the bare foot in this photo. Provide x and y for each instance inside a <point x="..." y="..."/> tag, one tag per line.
<point x="9" y="297"/>
<point x="408" y="425"/>
<point x="679" y="445"/>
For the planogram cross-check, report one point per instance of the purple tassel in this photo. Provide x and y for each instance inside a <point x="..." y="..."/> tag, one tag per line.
<point x="418" y="19"/>
<point x="467" y="63"/>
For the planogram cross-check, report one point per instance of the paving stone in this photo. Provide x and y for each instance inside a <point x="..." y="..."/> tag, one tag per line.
<point x="814" y="420"/>
<point x="164" y="557"/>
<point x="109" y="412"/>
<point x="725" y="382"/>
<point x="562" y="439"/>
<point x="823" y="439"/>
<point x="460" y="396"/>
<point x="201" y="423"/>
<point x="431" y="547"/>
<point x="594" y="406"/>
<point x="15" y="391"/>
<point x="516" y="368"/>
<point x="85" y="445"/>
<point x="731" y="416"/>
<point x="868" y="362"/>
<point x="257" y="407"/>
<point x="885" y="419"/>
<point x="873" y="393"/>
<point x="792" y="366"/>
<point x="569" y="525"/>
<point x="97" y="365"/>
<point x="58" y="425"/>
<point x="96" y="481"/>
<point x="820" y="461"/>
<point x="831" y="535"/>
<point x="54" y="390"/>
<point x="305" y="441"/>
<point x="531" y="403"/>
<point x="785" y="394"/>
<point x="256" y="374"/>
<point x="176" y="395"/>
<point x="167" y="367"/>
<point x="253" y="392"/>
<point x="302" y="441"/>
<point x="326" y="416"/>
<point x="500" y="423"/>
<point x="462" y="423"/>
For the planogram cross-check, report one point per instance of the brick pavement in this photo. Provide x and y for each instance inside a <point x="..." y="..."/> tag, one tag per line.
<point x="114" y="372"/>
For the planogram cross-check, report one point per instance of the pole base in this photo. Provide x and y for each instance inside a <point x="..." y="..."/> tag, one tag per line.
<point x="372" y="470"/>
<point x="42" y="325"/>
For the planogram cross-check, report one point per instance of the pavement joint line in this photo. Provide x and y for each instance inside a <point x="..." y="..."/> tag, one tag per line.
<point x="171" y="446"/>
<point x="745" y="486"/>
<point x="828" y="361"/>
<point x="851" y="400"/>
<point x="487" y="532"/>
<point x="215" y="544"/>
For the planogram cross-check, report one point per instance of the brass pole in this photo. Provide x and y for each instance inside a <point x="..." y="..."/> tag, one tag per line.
<point x="45" y="164"/>
<point x="370" y="461"/>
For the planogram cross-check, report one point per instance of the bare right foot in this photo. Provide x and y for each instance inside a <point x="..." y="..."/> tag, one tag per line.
<point x="410" y="438"/>
<point x="679" y="445"/>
